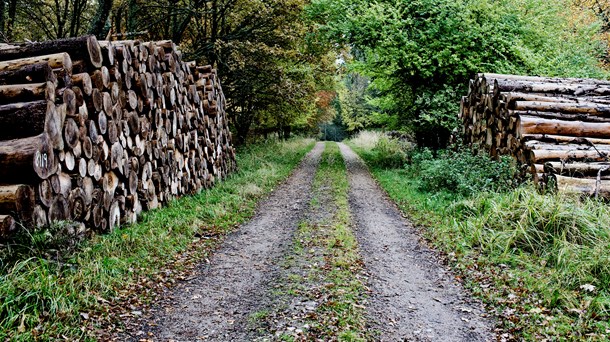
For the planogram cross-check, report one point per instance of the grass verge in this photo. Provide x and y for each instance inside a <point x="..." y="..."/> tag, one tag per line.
<point x="52" y="294"/>
<point x="540" y="261"/>
<point x="322" y="291"/>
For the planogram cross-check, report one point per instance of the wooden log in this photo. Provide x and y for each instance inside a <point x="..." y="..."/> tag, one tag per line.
<point x="539" y="79"/>
<point x="561" y="116"/>
<point x="83" y="81"/>
<point x="23" y="119"/>
<point x="17" y="200"/>
<point x="27" y="160"/>
<point x="568" y="108"/>
<point x="540" y="156"/>
<point x="55" y="61"/>
<point x="39" y="217"/>
<point x="27" y="92"/>
<point x="71" y="133"/>
<point x="533" y="125"/>
<point x="77" y="204"/>
<point x="114" y="215"/>
<point x="53" y="125"/>
<point x="59" y="210"/>
<point x="578" y="169"/>
<point x="83" y="48"/>
<point x="32" y="73"/>
<point x="580" y="186"/>
<point x="7" y="226"/>
<point x="553" y="88"/>
<point x="559" y="139"/>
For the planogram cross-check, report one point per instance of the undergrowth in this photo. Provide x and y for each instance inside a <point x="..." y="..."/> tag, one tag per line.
<point x="541" y="261"/>
<point x="50" y="290"/>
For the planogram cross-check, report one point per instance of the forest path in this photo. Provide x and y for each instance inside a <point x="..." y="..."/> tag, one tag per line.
<point x="248" y="290"/>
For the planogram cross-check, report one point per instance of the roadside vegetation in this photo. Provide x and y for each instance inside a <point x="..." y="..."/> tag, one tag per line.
<point x="52" y="287"/>
<point x="540" y="261"/>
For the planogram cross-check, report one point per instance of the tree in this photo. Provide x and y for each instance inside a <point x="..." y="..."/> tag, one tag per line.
<point x="98" y="25"/>
<point x="420" y="54"/>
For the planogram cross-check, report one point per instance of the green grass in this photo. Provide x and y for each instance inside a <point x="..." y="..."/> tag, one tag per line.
<point x="342" y="315"/>
<point x="541" y="261"/>
<point x="47" y="293"/>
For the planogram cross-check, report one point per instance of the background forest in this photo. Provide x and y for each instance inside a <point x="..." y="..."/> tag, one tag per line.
<point x="348" y="64"/>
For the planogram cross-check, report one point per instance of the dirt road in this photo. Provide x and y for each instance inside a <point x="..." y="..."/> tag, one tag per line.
<point x="412" y="297"/>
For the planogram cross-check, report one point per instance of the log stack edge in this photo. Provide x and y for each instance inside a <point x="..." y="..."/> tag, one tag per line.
<point x="557" y="129"/>
<point x="98" y="131"/>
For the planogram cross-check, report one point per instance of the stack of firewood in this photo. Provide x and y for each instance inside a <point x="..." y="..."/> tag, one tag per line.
<point x="558" y="129"/>
<point x="96" y="132"/>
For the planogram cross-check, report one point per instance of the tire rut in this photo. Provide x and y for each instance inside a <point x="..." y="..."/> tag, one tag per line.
<point x="215" y="306"/>
<point x="413" y="297"/>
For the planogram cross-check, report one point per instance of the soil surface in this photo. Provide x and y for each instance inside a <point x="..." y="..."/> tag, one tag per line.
<point x="215" y="306"/>
<point x="414" y="298"/>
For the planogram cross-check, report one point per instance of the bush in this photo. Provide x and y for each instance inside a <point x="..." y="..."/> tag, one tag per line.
<point x="462" y="172"/>
<point x="390" y="152"/>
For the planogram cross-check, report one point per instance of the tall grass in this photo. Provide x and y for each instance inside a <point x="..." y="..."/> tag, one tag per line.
<point x="50" y="294"/>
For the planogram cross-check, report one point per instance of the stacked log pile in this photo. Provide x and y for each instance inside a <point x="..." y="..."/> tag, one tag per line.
<point x="558" y="129"/>
<point x="96" y="132"/>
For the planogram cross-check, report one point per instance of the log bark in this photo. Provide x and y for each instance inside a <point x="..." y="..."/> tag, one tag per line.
<point x="27" y="92"/>
<point x="23" y="119"/>
<point x="33" y="73"/>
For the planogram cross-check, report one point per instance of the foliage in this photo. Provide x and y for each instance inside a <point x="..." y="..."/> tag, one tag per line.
<point x="461" y="172"/>
<point x="271" y="73"/>
<point x="420" y="54"/>
<point x="353" y="103"/>
<point x="540" y="261"/>
<point x="48" y="290"/>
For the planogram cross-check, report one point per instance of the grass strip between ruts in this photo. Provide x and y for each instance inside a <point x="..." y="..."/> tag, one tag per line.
<point x="323" y="269"/>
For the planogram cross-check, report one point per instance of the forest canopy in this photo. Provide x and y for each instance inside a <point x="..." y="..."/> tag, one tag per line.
<point x="391" y="64"/>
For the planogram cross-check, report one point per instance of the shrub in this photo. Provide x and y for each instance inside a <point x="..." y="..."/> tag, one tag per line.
<point x="462" y="172"/>
<point x="391" y="152"/>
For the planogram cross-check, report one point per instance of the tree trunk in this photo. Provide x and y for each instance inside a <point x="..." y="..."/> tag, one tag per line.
<point x="98" y="26"/>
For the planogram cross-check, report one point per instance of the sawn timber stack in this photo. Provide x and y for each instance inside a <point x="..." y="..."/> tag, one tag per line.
<point x="558" y="129"/>
<point x="98" y="131"/>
